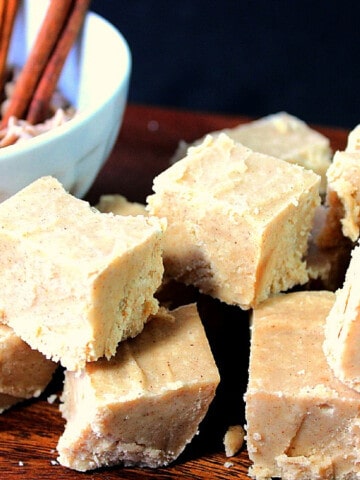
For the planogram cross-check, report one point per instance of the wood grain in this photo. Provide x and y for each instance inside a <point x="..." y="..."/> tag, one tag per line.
<point x="29" y="432"/>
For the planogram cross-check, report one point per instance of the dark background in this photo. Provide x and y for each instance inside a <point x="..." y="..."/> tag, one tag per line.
<point x="244" y="57"/>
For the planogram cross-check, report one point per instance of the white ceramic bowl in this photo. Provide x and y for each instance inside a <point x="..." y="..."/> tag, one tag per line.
<point x="95" y="79"/>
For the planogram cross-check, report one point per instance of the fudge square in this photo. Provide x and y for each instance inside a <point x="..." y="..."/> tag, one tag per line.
<point x="302" y="422"/>
<point x="342" y="195"/>
<point x="285" y="136"/>
<point x="238" y="221"/>
<point x="143" y="406"/>
<point x="282" y="136"/>
<point x="342" y="328"/>
<point x="75" y="281"/>
<point x="24" y="372"/>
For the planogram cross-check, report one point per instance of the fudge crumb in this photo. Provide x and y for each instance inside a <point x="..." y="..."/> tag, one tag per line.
<point x="233" y="440"/>
<point x="52" y="398"/>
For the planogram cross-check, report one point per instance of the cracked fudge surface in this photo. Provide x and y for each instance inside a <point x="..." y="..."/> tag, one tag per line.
<point x="238" y="221"/>
<point x="302" y="422"/>
<point x="143" y="406"/>
<point x="75" y="281"/>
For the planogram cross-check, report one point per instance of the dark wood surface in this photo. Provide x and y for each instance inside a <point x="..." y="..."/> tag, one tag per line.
<point x="29" y="432"/>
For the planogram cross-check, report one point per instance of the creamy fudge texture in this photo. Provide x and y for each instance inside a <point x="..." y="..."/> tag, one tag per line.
<point x="238" y="221"/>
<point x="283" y="136"/>
<point x="143" y="406"/>
<point x="24" y="372"/>
<point x="342" y="331"/>
<point x="120" y="205"/>
<point x="302" y="422"/>
<point x="75" y="281"/>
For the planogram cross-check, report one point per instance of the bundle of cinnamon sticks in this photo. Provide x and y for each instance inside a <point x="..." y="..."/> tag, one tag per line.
<point x="38" y="79"/>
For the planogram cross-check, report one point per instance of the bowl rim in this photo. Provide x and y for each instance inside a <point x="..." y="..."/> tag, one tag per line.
<point x="82" y="116"/>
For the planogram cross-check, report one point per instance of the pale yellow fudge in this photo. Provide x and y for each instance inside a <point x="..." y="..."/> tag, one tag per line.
<point x="75" y="281"/>
<point x="302" y="422"/>
<point x="283" y="136"/>
<point x="342" y="331"/>
<point x="238" y="221"/>
<point x="353" y="142"/>
<point x="24" y="372"/>
<point x="144" y="405"/>
<point x="120" y="205"/>
<point x="343" y="195"/>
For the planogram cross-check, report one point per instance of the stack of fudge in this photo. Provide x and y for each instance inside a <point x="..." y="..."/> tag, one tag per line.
<point x="260" y="217"/>
<point x="302" y="400"/>
<point x="78" y="289"/>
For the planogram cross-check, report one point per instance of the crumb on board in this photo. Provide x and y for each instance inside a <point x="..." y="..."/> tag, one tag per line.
<point x="233" y="440"/>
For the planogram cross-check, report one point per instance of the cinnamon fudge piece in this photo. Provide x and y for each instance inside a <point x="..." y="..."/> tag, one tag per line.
<point x="24" y="372"/>
<point x="343" y="195"/>
<point x="302" y="422"/>
<point x="238" y="221"/>
<point x="353" y="142"/>
<point x="143" y="406"/>
<point x="75" y="281"/>
<point x="283" y="136"/>
<point x="342" y="331"/>
<point x="120" y="205"/>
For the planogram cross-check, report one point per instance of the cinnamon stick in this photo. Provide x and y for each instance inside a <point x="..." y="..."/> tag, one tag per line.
<point x="45" y="41"/>
<point x="2" y="19"/>
<point x="2" y="13"/>
<point x="8" y="11"/>
<point x="40" y="103"/>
